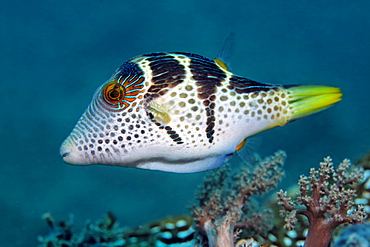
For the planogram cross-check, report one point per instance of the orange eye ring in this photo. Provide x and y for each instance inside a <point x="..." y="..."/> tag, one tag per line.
<point x="114" y="93"/>
<point x="122" y="91"/>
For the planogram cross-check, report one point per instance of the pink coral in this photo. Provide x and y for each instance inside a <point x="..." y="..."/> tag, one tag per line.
<point x="221" y="200"/>
<point x="325" y="200"/>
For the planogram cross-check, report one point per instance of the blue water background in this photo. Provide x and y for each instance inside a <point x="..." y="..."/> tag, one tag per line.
<point x="54" y="54"/>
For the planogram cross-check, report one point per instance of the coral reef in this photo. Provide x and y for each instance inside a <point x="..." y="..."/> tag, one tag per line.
<point x="103" y="231"/>
<point x="107" y="232"/>
<point x="325" y="200"/>
<point x="227" y="214"/>
<point x="363" y="188"/>
<point x="278" y="235"/>
<point x="222" y="200"/>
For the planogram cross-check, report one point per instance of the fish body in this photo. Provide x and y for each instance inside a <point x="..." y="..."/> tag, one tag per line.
<point x="181" y="112"/>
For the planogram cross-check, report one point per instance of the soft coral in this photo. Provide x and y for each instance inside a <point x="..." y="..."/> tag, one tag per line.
<point x="325" y="201"/>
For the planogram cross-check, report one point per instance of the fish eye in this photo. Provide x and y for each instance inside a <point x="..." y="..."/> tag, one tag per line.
<point x="114" y="92"/>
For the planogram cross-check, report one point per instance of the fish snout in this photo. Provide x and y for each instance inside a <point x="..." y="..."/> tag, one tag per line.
<point x="69" y="153"/>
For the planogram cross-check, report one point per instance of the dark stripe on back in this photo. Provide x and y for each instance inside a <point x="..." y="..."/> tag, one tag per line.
<point x="243" y="85"/>
<point x="208" y="76"/>
<point x="167" y="73"/>
<point x="129" y="68"/>
<point x="192" y="55"/>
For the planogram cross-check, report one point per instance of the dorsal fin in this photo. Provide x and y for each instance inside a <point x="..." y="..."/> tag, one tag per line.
<point x="225" y="52"/>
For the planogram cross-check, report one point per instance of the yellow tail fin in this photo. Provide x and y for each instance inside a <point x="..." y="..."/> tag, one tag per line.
<point x="307" y="99"/>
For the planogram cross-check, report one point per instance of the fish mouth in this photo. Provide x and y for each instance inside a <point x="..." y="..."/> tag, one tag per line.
<point x="65" y="150"/>
<point x="69" y="154"/>
<point x="64" y="154"/>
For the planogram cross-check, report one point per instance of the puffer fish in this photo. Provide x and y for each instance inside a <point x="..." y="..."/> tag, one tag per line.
<point x="183" y="113"/>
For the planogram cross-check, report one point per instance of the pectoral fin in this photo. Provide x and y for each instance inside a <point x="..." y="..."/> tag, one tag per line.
<point x="159" y="113"/>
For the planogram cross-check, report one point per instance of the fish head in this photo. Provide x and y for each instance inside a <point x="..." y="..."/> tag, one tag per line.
<point x="113" y="124"/>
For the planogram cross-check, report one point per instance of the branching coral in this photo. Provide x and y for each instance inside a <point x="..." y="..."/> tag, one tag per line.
<point x="221" y="200"/>
<point x="226" y="215"/>
<point x="325" y="200"/>
<point x="105" y="231"/>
